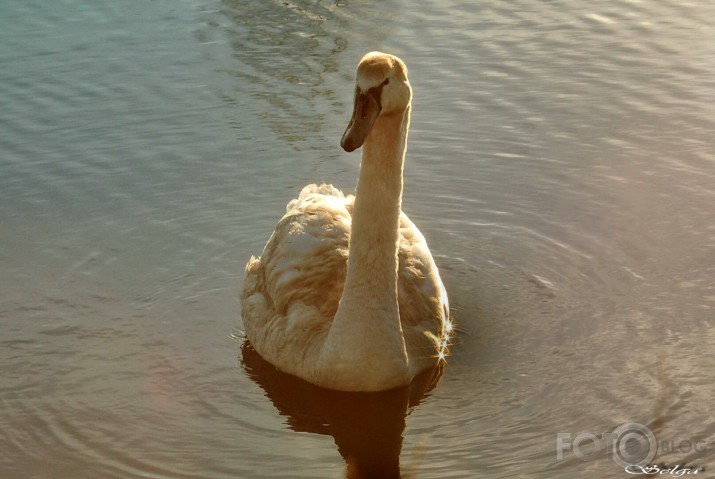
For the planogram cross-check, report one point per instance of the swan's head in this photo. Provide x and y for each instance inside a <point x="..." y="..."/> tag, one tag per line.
<point x="382" y="89"/>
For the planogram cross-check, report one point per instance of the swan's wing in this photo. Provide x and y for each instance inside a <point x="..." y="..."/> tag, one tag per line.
<point x="299" y="278"/>
<point x="297" y="282"/>
<point x="424" y="308"/>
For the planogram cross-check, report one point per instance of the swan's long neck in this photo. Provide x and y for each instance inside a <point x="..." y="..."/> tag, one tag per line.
<point x="366" y="330"/>
<point x="372" y="263"/>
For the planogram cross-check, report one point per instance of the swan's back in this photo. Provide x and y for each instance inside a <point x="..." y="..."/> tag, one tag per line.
<point x="305" y="259"/>
<point x="291" y="293"/>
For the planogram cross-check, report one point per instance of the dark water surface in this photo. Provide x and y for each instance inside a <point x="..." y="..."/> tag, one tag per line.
<point x="561" y="164"/>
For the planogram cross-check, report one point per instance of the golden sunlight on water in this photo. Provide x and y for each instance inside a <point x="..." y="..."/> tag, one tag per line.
<point x="560" y="164"/>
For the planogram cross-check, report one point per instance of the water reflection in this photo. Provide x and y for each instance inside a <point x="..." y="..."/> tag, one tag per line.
<point x="282" y="55"/>
<point x="286" y="65"/>
<point x="367" y="427"/>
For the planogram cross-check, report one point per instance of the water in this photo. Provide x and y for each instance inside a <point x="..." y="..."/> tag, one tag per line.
<point x="560" y="164"/>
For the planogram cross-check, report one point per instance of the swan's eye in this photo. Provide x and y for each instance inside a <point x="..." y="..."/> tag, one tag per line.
<point x="387" y="80"/>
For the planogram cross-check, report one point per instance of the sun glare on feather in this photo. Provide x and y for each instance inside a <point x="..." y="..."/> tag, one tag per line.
<point x="442" y="344"/>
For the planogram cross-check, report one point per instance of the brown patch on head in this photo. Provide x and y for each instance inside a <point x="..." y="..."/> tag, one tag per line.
<point x="375" y="67"/>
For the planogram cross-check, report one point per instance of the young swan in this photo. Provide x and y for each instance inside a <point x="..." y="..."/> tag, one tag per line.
<point x="346" y="294"/>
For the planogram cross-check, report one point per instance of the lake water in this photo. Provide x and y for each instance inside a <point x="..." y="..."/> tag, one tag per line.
<point x="561" y="164"/>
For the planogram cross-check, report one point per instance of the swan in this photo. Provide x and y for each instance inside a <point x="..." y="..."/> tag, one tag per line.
<point x="346" y="294"/>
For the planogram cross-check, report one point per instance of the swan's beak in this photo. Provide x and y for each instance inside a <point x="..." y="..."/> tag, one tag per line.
<point x="365" y="111"/>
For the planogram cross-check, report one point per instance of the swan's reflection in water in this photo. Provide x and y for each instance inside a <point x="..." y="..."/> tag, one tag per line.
<point x="367" y="427"/>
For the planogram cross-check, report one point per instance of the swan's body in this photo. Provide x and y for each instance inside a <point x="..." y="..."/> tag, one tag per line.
<point x="346" y="294"/>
